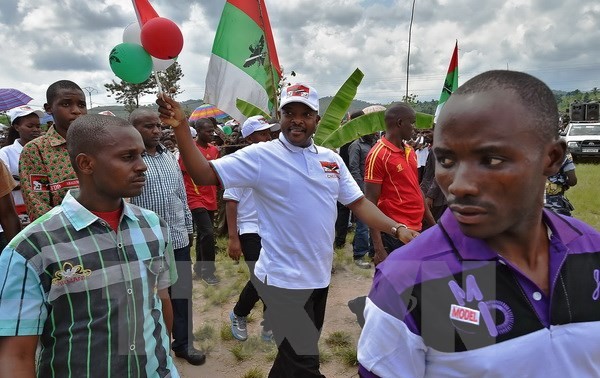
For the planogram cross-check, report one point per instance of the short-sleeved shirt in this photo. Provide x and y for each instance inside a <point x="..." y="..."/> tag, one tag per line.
<point x="395" y="169"/>
<point x="164" y="193"/>
<point x="247" y="216"/>
<point x="295" y="190"/>
<point x="46" y="173"/>
<point x="201" y="196"/>
<point x="90" y="293"/>
<point x="447" y="305"/>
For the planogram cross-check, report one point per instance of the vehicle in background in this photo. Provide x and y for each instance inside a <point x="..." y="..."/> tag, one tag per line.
<point x="583" y="139"/>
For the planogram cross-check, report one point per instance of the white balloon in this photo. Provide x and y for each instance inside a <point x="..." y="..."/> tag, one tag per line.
<point x="132" y="33"/>
<point x="162" y="64"/>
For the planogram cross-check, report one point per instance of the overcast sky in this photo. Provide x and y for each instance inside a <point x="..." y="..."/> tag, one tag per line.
<point x="323" y="41"/>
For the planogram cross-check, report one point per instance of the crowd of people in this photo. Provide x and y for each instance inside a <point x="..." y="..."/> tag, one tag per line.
<point x="476" y="256"/>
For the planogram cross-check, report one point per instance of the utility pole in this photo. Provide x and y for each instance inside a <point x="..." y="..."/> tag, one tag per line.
<point x="412" y="16"/>
<point x="90" y="90"/>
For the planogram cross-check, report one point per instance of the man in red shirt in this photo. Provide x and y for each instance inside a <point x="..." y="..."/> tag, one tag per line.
<point x="202" y="201"/>
<point x="392" y="179"/>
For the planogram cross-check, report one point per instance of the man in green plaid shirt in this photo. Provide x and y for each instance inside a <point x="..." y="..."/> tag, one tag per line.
<point x="89" y="279"/>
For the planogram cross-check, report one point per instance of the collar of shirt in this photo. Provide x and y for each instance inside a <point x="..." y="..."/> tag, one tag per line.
<point x="311" y="147"/>
<point x="54" y="138"/>
<point x="560" y="234"/>
<point x="80" y="217"/>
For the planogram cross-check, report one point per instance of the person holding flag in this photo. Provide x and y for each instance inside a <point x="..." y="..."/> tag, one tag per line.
<point x="290" y="178"/>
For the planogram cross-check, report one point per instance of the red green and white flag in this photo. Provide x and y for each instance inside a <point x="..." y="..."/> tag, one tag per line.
<point x="244" y="61"/>
<point x="451" y="82"/>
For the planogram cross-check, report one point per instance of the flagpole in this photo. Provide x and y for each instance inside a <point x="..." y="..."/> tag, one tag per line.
<point x="412" y="15"/>
<point x="271" y="73"/>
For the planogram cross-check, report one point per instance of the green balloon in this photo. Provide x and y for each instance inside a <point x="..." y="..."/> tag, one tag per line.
<point x="130" y="62"/>
<point x="227" y="130"/>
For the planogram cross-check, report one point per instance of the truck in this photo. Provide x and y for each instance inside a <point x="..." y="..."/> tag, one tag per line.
<point x="583" y="139"/>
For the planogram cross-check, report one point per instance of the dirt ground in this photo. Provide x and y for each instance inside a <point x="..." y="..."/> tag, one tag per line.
<point x="347" y="283"/>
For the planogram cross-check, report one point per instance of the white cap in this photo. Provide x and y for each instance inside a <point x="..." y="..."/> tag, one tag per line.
<point x="300" y="93"/>
<point x="22" y="111"/>
<point x="193" y="131"/>
<point x="257" y="123"/>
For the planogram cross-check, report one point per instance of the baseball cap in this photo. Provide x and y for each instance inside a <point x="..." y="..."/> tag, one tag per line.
<point x="257" y="123"/>
<point x="300" y="93"/>
<point x="22" y="111"/>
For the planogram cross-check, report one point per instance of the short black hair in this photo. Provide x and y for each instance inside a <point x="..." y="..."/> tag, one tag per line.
<point x="535" y="95"/>
<point x="89" y="133"/>
<point x="53" y="89"/>
<point x="356" y="114"/>
<point x="201" y="121"/>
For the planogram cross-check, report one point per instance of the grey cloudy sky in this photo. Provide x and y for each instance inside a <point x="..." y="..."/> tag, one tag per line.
<point x="323" y="41"/>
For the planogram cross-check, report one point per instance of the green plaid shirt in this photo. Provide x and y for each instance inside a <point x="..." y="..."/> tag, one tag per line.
<point x="90" y="293"/>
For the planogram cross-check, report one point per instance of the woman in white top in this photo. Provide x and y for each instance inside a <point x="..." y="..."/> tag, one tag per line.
<point x="25" y="126"/>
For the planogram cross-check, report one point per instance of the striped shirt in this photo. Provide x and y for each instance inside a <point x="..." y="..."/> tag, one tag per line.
<point x="46" y="173"/>
<point x="90" y="293"/>
<point x="164" y="193"/>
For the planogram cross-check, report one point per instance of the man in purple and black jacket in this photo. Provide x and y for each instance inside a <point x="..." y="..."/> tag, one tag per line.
<point x="499" y="287"/>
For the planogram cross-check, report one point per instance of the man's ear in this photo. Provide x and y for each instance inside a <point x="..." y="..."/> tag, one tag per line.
<point x="555" y="156"/>
<point x="47" y="108"/>
<point x="84" y="164"/>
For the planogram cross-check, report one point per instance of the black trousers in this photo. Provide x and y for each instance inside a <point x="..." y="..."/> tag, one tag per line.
<point x="249" y="296"/>
<point x="205" y="242"/>
<point x="296" y="317"/>
<point x="341" y="225"/>
<point x="181" y="301"/>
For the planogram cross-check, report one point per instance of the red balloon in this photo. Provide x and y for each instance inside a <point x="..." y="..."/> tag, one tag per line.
<point x="162" y="38"/>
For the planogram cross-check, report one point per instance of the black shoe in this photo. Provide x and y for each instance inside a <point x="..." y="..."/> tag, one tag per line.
<point x="192" y="355"/>
<point x="357" y="306"/>
<point x="211" y="280"/>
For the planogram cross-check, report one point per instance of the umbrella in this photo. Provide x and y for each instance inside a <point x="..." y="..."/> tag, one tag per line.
<point x="207" y="110"/>
<point x="11" y="98"/>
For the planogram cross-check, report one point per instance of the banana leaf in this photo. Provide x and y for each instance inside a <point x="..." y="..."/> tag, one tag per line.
<point x="424" y="121"/>
<point x="332" y="118"/>
<point x="249" y="110"/>
<point x="365" y="125"/>
<point x="354" y="129"/>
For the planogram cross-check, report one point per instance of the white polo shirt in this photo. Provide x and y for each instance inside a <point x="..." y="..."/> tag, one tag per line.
<point x="247" y="217"/>
<point x="295" y="190"/>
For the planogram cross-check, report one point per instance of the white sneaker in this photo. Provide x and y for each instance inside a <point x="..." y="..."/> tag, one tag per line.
<point x="238" y="326"/>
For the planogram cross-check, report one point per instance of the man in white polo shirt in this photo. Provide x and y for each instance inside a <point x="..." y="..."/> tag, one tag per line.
<point x="295" y="185"/>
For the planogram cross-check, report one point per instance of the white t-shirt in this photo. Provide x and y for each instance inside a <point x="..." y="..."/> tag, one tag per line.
<point x="422" y="156"/>
<point x="247" y="217"/>
<point x="295" y="190"/>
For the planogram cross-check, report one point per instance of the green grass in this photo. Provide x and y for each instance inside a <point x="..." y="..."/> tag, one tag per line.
<point x="347" y="354"/>
<point x="584" y="196"/>
<point x="338" y="339"/>
<point x="250" y="348"/>
<point x="254" y="373"/>
<point x="206" y="332"/>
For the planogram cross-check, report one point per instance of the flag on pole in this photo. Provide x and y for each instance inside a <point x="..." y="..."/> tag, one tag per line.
<point x="244" y="61"/>
<point x="451" y="82"/>
<point x="143" y="11"/>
